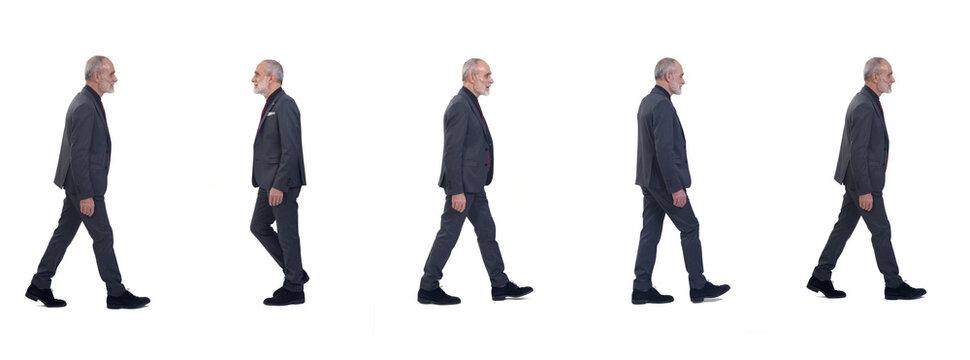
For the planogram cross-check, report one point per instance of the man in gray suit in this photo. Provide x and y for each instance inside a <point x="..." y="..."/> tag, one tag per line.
<point x="279" y="174"/>
<point x="863" y="158"/>
<point x="467" y="164"/>
<point x="82" y="171"/>
<point x="664" y="177"/>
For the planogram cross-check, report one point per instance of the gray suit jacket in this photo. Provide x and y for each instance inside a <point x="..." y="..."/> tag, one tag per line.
<point x="278" y="148"/>
<point x="865" y="145"/>
<point x="82" y="167"/>
<point x="467" y="162"/>
<point x="661" y="145"/>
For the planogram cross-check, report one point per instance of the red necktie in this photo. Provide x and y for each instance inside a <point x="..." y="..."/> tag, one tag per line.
<point x="486" y="131"/>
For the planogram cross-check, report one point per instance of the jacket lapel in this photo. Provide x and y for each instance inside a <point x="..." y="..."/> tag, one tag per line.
<point x="477" y="109"/>
<point x="99" y="109"/>
<point x="269" y="109"/>
<point x="488" y="135"/>
<point x="882" y="116"/>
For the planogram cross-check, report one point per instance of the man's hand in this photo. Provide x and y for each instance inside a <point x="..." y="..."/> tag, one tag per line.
<point x="275" y="197"/>
<point x="680" y="198"/>
<point x="458" y="202"/>
<point x="865" y="201"/>
<point x="87" y="206"/>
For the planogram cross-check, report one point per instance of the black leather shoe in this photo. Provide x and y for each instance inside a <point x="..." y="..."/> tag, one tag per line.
<point x="127" y="301"/>
<point x="510" y="290"/>
<point x="285" y="297"/>
<point x="825" y="287"/>
<point x="306" y="279"/>
<point x="904" y="292"/>
<point x="437" y="297"/>
<point x="709" y="291"/>
<point x="651" y="296"/>
<point x="45" y="296"/>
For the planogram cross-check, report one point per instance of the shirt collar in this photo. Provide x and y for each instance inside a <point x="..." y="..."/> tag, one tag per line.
<point x="660" y="90"/>
<point x="868" y="91"/>
<point x="469" y="93"/>
<point x="272" y="97"/>
<point x="91" y="91"/>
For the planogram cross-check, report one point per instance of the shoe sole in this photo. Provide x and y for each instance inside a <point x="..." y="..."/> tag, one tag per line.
<point x="641" y="302"/>
<point x="294" y="302"/>
<point x="815" y="289"/>
<point x="502" y="297"/>
<point x="116" y="307"/>
<point x="432" y="302"/>
<point x="700" y="299"/>
<point x="35" y="299"/>
<point x="902" y="297"/>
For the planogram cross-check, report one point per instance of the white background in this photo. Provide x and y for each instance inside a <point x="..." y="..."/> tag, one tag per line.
<point x="763" y="109"/>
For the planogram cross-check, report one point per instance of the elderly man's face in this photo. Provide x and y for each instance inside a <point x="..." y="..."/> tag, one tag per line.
<point x="261" y="79"/>
<point x="884" y="78"/>
<point x="106" y="77"/>
<point x="677" y="81"/>
<point x="482" y="78"/>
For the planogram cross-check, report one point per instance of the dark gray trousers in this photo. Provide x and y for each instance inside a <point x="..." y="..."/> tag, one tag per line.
<point x="283" y="244"/>
<point x="878" y="224"/>
<point x="476" y="210"/>
<point x="100" y="231"/>
<point x="656" y="204"/>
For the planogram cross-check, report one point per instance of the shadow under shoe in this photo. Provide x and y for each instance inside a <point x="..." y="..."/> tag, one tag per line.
<point x="437" y="297"/>
<point x="127" y="300"/>
<point x="709" y="291"/>
<point x="510" y="290"/>
<point x="284" y="297"/>
<point x="651" y="296"/>
<point x="904" y="292"/>
<point x="826" y="287"/>
<point x="45" y="296"/>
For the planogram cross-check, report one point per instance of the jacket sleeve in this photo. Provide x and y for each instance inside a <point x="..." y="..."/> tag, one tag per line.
<point x="456" y="128"/>
<point x="663" y="135"/>
<point x="291" y="144"/>
<point x="860" y="131"/>
<point x="82" y="128"/>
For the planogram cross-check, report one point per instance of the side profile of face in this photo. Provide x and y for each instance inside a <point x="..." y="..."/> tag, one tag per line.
<point x="261" y="80"/>
<point x="106" y="78"/>
<point x="884" y="78"/>
<point x="482" y="79"/>
<point x="676" y="78"/>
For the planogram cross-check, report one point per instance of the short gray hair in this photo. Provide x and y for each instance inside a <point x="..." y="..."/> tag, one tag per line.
<point x="94" y="64"/>
<point x="872" y="66"/>
<point x="664" y="66"/>
<point x="466" y="70"/>
<point x="274" y="68"/>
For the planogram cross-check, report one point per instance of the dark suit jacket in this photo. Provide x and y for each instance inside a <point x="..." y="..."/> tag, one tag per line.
<point x="468" y="160"/>
<point x="865" y="145"/>
<point x="661" y="146"/>
<point x="278" y="148"/>
<point x="82" y="167"/>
